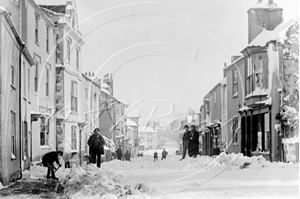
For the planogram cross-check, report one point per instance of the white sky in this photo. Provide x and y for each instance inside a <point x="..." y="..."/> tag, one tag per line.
<point x="151" y="47"/>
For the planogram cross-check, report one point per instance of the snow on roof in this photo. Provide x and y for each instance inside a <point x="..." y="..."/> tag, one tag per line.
<point x="51" y="2"/>
<point x="129" y="122"/>
<point x="133" y="113"/>
<point x="105" y="91"/>
<point x="266" y="4"/>
<point x="257" y="92"/>
<point x="147" y="129"/>
<point x="278" y="34"/>
<point x="223" y="81"/>
<point x="104" y="85"/>
<point x="267" y="102"/>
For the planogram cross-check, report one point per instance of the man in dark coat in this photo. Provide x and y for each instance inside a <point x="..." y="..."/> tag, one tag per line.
<point x="96" y="143"/>
<point x="164" y="154"/>
<point x="185" y="141"/>
<point x="48" y="161"/>
<point x="119" y="153"/>
<point x="193" y="147"/>
<point x="127" y="156"/>
<point x="155" y="156"/>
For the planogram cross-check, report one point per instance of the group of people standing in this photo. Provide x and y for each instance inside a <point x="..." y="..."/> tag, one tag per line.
<point x="190" y="141"/>
<point x="119" y="153"/>
<point x="164" y="154"/>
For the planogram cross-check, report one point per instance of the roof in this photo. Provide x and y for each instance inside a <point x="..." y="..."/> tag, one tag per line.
<point x="147" y="129"/>
<point x="129" y="122"/>
<point x="105" y="91"/>
<point x="51" y="2"/>
<point x="133" y="113"/>
<point x="278" y="34"/>
<point x="223" y="81"/>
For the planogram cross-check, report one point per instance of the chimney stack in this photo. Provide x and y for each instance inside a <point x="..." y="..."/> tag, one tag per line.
<point x="263" y="15"/>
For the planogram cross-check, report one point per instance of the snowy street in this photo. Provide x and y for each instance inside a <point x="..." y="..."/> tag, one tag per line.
<point x="225" y="176"/>
<point x="183" y="180"/>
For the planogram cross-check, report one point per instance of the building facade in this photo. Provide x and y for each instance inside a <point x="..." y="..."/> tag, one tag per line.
<point x="38" y="32"/>
<point x="14" y="60"/>
<point x="69" y="76"/>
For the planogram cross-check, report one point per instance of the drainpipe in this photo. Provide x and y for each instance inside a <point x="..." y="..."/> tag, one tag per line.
<point x="20" y="106"/>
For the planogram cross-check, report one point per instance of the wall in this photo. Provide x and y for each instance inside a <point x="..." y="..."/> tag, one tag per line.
<point x="46" y="60"/>
<point x="9" y="96"/>
<point x="234" y="101"/>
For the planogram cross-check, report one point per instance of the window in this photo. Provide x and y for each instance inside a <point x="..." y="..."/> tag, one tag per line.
<point x="68" y="50"/>
<point x="24" y="79"/>
<point x="86" y="117"/>
<point x="12" y="75"/>
<point x="44" y="131"/>
<point x="47" y="82"/>
<point x="149" y="140"/>
<point x="36" y="29"/>
<point x="73" y="138"/>
<point x="28" y="84"/>
<point x="36" y="71"/>
<point x="234" y="82"/>
<point x="86" y="92"/>
<point x="149" y="134"/>
<point x="235" y="129"/>
<point x="95" y="97"/>
<point x="249" y="81"/>
<point x="13" y="133"/>
<point x="267" y="137"/>
<point x="254" y="72"/>
<point x="47" y="39"/>
<point x="74" y="96"/>
<point x="77" y="59"/>
<point x="25" y="139"/>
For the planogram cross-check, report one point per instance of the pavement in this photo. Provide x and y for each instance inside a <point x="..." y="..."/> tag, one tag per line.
<point x="41" y="188"/>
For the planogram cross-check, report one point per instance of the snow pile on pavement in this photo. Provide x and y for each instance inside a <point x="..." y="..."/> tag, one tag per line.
<point x="92" y="182"/>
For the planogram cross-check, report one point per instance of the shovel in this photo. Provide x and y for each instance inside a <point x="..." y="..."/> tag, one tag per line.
<point x="57" y="168"/>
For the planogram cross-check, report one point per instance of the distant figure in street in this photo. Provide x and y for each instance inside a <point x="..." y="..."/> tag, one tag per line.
<point x="185" y="140"/>
<point x="96" y="143"/>
<point x="164" y="154"/>
<point x="155" y="155"/>
<point x="127" y="156"/>
<point x="119" y="153"/>
<point x="193" y="147"/>
<point x="48" y="161"/>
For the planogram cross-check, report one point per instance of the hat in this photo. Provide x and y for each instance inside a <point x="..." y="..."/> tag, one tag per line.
<point x="186" y="126"/>
<point x="97" y="129"/>
<point x="193" y="126"/>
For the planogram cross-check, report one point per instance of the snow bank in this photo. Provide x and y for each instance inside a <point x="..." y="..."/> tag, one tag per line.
<point x="92" y="182"/>
<point x="230" y="162"/>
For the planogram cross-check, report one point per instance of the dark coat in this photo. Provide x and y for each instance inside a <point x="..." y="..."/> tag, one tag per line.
<point x="193" y="147"/>
<point x="119" y="153"/>
<point x="186" y="136"/>
<point x="127" y="155"/>
<point x="155" y="154"/>
<point x="164" y="154"/>
<point x="96" y="143"/>
<point x="50" y="158"/>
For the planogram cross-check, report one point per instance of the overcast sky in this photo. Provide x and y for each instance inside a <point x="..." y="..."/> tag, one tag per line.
<point x="167" y="54"/>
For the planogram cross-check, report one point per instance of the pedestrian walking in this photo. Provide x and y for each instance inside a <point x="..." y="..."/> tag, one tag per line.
<point x="164" y="154"/>
<point x="96" y="143"/>
<point x="155" y="155"/>
<point x="193" y="146"/>
<point x="127" y="156"/>
<point x="119" y="153"/>
<point x="48" y="161"/>
<point x="185" y="141"/>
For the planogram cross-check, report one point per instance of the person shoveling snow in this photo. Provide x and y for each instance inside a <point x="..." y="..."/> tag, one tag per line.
<point x="48" y="161"/>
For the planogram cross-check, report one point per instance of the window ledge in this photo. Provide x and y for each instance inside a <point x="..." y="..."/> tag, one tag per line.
<point x="45" y="147"/>
<point x="47" y="97"/>
<point x="235" y="95"/>
<point x="25" y="98"/>
<point x="13" y="157"/>
<point x="37" y="43"/>
<point x="235" y="144"/>
<point x="36" y="93"/>
<point x="13" y="86"/>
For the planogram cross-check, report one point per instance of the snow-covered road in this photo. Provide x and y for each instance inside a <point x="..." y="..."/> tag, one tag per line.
<point x="224" y="176"/>
<point x="181" y="179"/>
